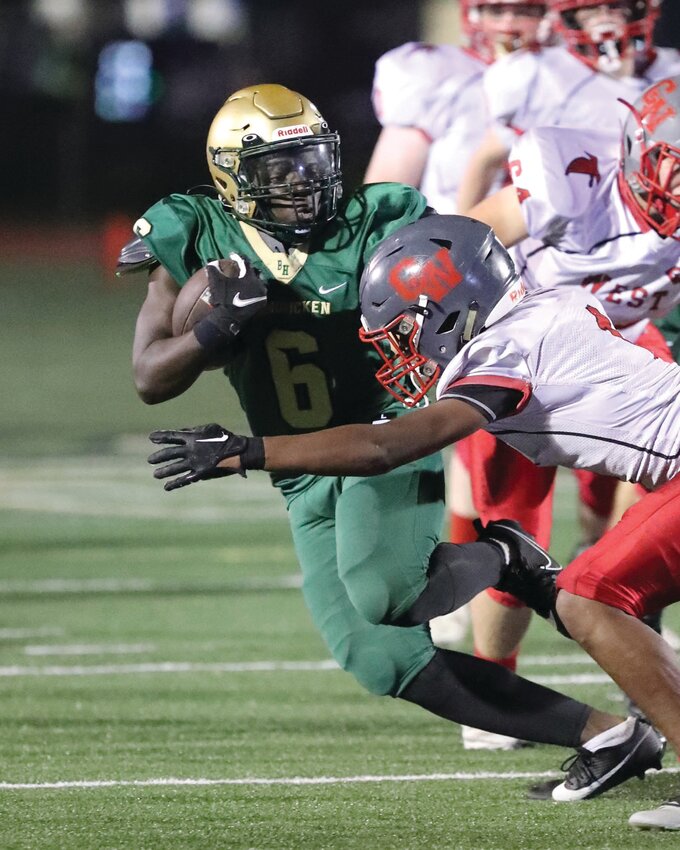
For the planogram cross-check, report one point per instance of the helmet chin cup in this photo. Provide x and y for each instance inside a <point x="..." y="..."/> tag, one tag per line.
<point x="242" y="207"/>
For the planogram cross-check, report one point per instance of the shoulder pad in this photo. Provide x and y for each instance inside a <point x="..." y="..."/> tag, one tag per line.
<point x="135" y="257"/>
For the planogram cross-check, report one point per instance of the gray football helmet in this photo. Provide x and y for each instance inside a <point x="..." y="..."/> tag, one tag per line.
<point x="429" y="289"/>
<point x="649" y="178"/>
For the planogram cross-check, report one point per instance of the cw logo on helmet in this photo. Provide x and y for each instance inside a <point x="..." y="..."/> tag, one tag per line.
<point x="434" y="277"/>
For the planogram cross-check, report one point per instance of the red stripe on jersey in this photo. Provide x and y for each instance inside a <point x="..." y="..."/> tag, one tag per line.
<point x="495" y="381"/>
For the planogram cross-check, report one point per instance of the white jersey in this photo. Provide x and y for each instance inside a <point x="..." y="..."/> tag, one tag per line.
<point x="551" y="87"/>
<point x="590" y="400"/>
<point x="581" y="233"/>
<point x="438" y="90"/>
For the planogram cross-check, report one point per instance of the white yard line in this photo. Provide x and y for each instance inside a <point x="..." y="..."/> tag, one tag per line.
<point x="292" y="780"/>
<point x="15" y="671"/>
<point x="168" y="667"/>
<point x="89" y="649"/>
<point x="25" y="634"/>
<point x="134" y="585"/>
<point x="110" y="486"/>
<point x="554" y="660"/>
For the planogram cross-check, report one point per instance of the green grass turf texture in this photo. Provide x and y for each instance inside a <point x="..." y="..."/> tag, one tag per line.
<point x="96" y="558"/>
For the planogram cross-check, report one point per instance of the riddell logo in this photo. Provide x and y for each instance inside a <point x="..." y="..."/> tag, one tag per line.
<point x="585" y="165"/>
<point x="517" y="293"/>
<point x="434" y="278"/>
<point x="655" y="108"/>
<point x="295" y="130"/>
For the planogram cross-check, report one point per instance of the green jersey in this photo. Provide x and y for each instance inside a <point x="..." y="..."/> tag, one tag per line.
<point x="299" y="365"/>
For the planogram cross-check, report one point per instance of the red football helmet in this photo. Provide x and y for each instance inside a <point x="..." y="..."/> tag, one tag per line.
<point x="602" y="45"/>
<point x="649" y="178"/>
<point x="491" y="32"/>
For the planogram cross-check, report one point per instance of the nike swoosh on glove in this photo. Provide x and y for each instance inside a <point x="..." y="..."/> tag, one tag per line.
<point x="234" y="300"/>
<point x="193" y="454"/>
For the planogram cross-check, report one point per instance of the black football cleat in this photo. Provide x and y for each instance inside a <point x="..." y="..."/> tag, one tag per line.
<point x="592" y="773"/>
<point x="529" y="572"/>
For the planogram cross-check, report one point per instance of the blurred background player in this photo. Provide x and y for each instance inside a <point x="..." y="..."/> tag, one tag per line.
<point x="430" y="103"/>
<point x="607" y="52"/>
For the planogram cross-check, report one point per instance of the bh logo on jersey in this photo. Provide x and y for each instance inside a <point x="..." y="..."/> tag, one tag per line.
<point x="435" y="277"/>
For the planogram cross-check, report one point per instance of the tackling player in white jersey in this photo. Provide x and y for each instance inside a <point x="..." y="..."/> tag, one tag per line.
<point x="574" y="211"/>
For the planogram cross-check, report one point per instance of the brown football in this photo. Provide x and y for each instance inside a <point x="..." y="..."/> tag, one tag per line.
<point x="193" y="301"/>
<point x="193" y="304"/>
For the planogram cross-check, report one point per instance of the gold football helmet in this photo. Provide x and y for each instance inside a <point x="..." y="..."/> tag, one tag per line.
<point x="274" y="161"/>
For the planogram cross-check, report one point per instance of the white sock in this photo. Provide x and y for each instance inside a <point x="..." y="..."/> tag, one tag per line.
<point x="611" y="737"/>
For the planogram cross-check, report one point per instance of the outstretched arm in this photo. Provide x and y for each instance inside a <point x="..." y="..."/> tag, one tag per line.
<point x="374" y="449"/>
<point x="196" y="453"/>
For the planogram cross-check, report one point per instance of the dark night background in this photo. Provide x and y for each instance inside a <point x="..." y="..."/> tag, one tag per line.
<point x="62" y="163"/>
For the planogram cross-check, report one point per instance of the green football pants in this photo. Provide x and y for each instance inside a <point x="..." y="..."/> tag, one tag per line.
<point x="363" y="545"/>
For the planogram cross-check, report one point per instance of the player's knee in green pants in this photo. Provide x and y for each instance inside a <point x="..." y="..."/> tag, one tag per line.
<point x="386" y="529"/>
<point x="364" y="545"/>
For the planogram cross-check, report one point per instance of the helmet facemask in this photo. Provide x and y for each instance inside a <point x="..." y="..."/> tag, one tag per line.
<point x="604" y="44"/>
<point x="658" y="176"/>
<point x="650" y="188"/>
<point x="289" y="189"/>
<point x="649" y="178"/>
<point x="405" y="373"/>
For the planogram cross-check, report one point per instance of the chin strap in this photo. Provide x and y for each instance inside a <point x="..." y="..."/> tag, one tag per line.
<point x="470" y="319"/>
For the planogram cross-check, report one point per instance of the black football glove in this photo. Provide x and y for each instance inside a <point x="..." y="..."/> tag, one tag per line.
<point x="193" y="454"/>
<point x="234" y="301"/>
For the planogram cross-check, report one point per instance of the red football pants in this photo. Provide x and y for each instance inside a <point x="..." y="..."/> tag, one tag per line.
<point x="506" y="485"/>
<point x="636" y="565"/>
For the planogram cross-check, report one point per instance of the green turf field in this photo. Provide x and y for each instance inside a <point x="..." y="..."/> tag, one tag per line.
<point x="162" y="684"/>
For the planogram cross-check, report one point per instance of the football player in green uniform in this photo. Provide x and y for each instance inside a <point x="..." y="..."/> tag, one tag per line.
<point x="286" y="328"/>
